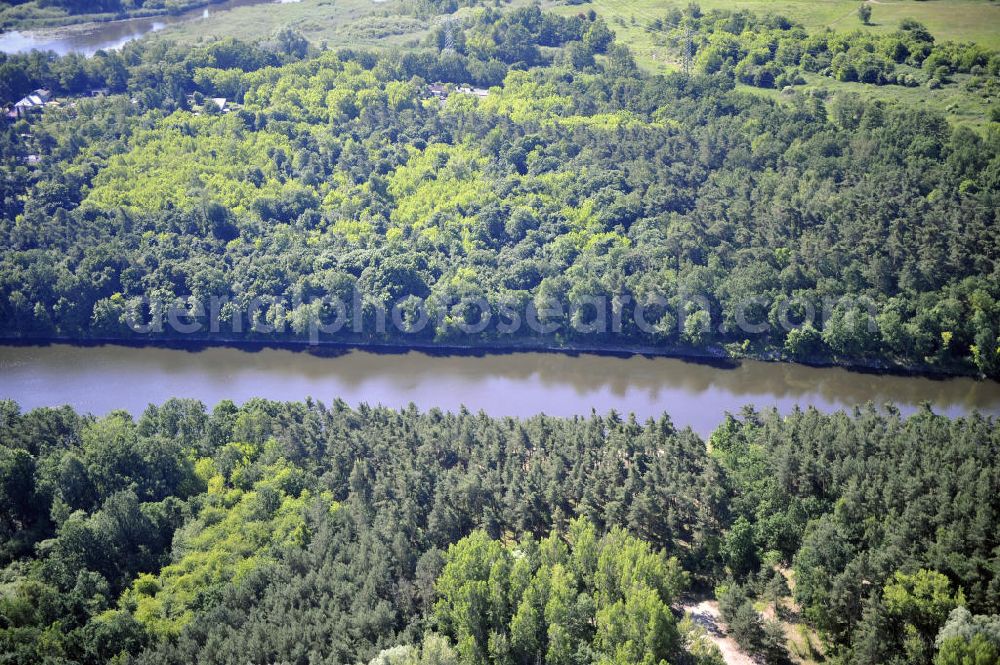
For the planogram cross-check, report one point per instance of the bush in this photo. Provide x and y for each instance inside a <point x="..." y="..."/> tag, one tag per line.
<point x="865" y="13"/>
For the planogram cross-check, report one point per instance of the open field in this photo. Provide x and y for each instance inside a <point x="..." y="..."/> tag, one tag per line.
<point x="336" y="22"/>
<point x="959" y="105"/>
<point x="955" y="20"/>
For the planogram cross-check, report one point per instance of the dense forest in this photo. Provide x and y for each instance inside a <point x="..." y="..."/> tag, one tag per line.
<point x="827" y="230"/>
<point x="512" y="166"/>
<point x="305" y="533"/>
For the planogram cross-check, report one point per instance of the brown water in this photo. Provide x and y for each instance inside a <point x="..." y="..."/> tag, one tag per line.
<point x="99" y="379"/>
<point x="89" y="38"/>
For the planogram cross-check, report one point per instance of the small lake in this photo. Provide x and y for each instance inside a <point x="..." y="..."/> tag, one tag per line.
<point x="89" y="38"/>
<point x="102" y="378"/>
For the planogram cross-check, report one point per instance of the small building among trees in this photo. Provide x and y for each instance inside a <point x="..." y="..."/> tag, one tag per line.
<point x="33" y="102"/>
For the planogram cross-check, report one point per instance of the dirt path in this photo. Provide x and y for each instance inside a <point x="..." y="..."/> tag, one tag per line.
<point x="706" y="614"/>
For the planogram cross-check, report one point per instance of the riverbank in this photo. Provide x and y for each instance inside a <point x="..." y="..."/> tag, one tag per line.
<point x="30" y="17"/>
<point x="85" y="34"/>
<point x="343" y="22"/>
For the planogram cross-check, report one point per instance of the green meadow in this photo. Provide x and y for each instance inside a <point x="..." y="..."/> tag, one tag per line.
<point x="334" y="22"/>
<point x="954" y="20"/>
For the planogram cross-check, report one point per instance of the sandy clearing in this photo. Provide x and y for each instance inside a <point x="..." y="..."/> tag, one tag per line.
<point x="706" y="614"/>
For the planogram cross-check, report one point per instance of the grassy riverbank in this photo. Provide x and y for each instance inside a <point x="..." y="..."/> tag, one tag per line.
<point x="332" y="22"/>
<point x="35" y="15"/>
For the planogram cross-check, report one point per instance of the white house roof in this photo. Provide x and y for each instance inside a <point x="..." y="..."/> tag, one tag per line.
<point x="37" y="98"/>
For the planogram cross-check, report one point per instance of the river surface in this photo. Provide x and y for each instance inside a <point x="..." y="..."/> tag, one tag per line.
<point x="102" y="378"/>
<point x="89" y="38"/>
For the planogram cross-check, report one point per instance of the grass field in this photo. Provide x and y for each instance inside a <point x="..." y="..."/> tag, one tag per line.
<point x="955" y="20"/>
<point x="948" y="20"/>
<point x="336" y="22"/>
<point x="957" y="104"/>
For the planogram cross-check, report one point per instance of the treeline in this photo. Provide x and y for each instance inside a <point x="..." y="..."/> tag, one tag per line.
<point x="139" y="69"/>
<point x="303" y="533"/>
<point x="745" y="226"/>
<point x="769" y="51"/>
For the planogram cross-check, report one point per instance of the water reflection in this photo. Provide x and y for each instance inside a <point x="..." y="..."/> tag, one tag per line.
<point x="99" y="379"/>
